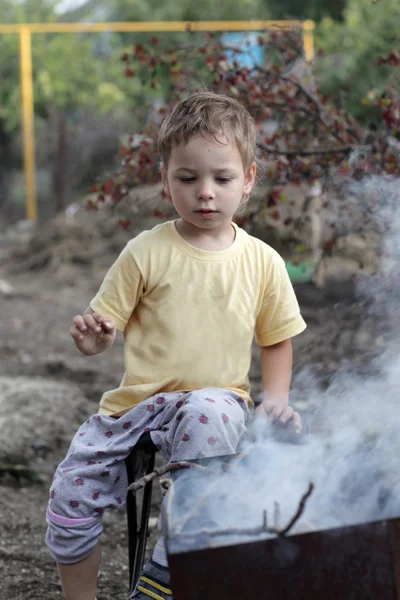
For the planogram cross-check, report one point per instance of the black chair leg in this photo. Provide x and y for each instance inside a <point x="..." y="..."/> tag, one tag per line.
<point x="137" y="537"/>
<point x="144" y="526"/>
<point x="131" y="514"/>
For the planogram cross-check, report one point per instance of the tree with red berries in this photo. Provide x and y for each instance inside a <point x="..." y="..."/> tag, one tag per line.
<point x="302" y="136"/>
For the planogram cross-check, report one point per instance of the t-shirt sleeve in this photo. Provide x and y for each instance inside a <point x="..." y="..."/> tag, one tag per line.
<point x="121" y="289"/>
<point x="279" y="318"/>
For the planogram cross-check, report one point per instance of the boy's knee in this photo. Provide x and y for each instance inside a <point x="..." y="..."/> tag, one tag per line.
<point x="71" y="540"/>
<point x="199" y="401"/>
<point x="216" y="404"/>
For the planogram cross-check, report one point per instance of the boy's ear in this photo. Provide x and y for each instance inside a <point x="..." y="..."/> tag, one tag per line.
<point x="250" y="178"/>
<point x="165" y="180"/>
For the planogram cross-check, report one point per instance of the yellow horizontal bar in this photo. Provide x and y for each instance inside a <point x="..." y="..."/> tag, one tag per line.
<point x="25" y="31"/>
<point x="152" y="26"/>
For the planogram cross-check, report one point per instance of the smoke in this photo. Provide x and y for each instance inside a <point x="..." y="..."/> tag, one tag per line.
<point x="351" y="454"/>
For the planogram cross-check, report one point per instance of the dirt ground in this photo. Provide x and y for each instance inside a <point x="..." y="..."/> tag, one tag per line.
<point x="41" y="370"/>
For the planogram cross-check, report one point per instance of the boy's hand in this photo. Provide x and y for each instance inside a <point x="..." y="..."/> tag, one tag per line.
<point x="282" y="415"/>
<point x="92" y="333"/>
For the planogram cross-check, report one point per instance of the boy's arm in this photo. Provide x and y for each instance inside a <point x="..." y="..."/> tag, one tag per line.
<point x="276" y="370"/>
<point x="92" y="333"/>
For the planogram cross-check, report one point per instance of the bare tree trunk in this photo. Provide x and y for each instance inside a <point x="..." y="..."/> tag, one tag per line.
<point x="6" y="166"/>
<point x="317" y="227"/>
<point x="60" y="164"/>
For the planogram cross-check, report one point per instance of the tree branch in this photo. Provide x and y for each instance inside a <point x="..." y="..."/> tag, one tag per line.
<point x="299" y="511"/>
<point x="313" y="98"/>
<point x="168" y="468"/>
<point x="256" y="531"/>
<point x="312" y="152"/>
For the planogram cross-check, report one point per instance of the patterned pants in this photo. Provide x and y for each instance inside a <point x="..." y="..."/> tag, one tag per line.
<point x="183" y="425"/>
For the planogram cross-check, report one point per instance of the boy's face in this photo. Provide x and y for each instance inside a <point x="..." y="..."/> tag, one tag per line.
<point x="205" y="181"/>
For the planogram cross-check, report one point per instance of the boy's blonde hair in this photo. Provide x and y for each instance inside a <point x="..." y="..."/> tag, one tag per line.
<point x="205" y="113"/>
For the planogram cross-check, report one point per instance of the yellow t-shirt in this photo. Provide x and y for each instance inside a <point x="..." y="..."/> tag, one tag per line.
<point x="189" y="316"/>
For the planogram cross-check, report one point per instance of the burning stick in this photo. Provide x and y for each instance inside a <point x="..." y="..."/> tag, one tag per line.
<point x="166" y="505"/>
<point x="250" y="531"/>
<point x="227" y="468"/>
<point x="167" y="484"/>
<point x="240" y="457"/>
<point x="168" y="468"/>
<point x="277" y="515"/>
<point x="299" y="511"/>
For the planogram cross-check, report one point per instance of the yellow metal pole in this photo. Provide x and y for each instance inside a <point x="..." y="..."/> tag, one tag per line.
<point x="28" y="122"/>
<point x="25" y="32"/>
<point x="308" y="34"/>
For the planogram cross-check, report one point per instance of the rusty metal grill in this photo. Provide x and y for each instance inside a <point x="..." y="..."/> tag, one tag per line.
<point x="361" y="562"/>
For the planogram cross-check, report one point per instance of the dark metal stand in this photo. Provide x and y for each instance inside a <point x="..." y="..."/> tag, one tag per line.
<point x="137" y="535"/>
<point x="360" y="562"/>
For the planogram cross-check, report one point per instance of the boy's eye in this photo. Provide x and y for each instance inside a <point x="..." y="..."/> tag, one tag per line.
<point x="186" y="179"/>
<point x="223" y="179"/>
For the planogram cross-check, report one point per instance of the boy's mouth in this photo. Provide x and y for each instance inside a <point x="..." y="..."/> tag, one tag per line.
<point x="206" y="213"/>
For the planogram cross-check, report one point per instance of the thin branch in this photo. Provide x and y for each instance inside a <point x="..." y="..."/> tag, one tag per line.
<point x="253" y="531"/>
<point x="312" y="97"/>
<point x="312" y="152"/>
<point x="256" y="447"/>
<point x="299" y="511"/>
<point x="229" y="467"/>
<point x="166" y="505"/>
<point x="291" y="108"/>
<point x="306" y="93"/>
<point x="277" y="515"/>
<point x="168" y="468"/>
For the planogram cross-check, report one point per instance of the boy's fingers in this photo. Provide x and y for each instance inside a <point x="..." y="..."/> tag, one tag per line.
<point x="79" y="323"/>
<point x="286" y="415"/>
<point x="91" y="323"/>
<point x="76" y="333"/>
<point x="269" y="408"/>
<point x="296" y="422"/>
<point x="276" y="413"/>
<point x="98" y="318"/>
<point x="109" y="325"/>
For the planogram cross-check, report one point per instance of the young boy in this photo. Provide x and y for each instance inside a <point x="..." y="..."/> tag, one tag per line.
<point x="189" y="296"/>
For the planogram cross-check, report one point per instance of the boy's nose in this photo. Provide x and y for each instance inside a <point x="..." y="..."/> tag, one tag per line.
<point x="205" y="192"/>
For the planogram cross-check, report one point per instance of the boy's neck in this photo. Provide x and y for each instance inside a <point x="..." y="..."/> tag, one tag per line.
<point x="210" y="240"/>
